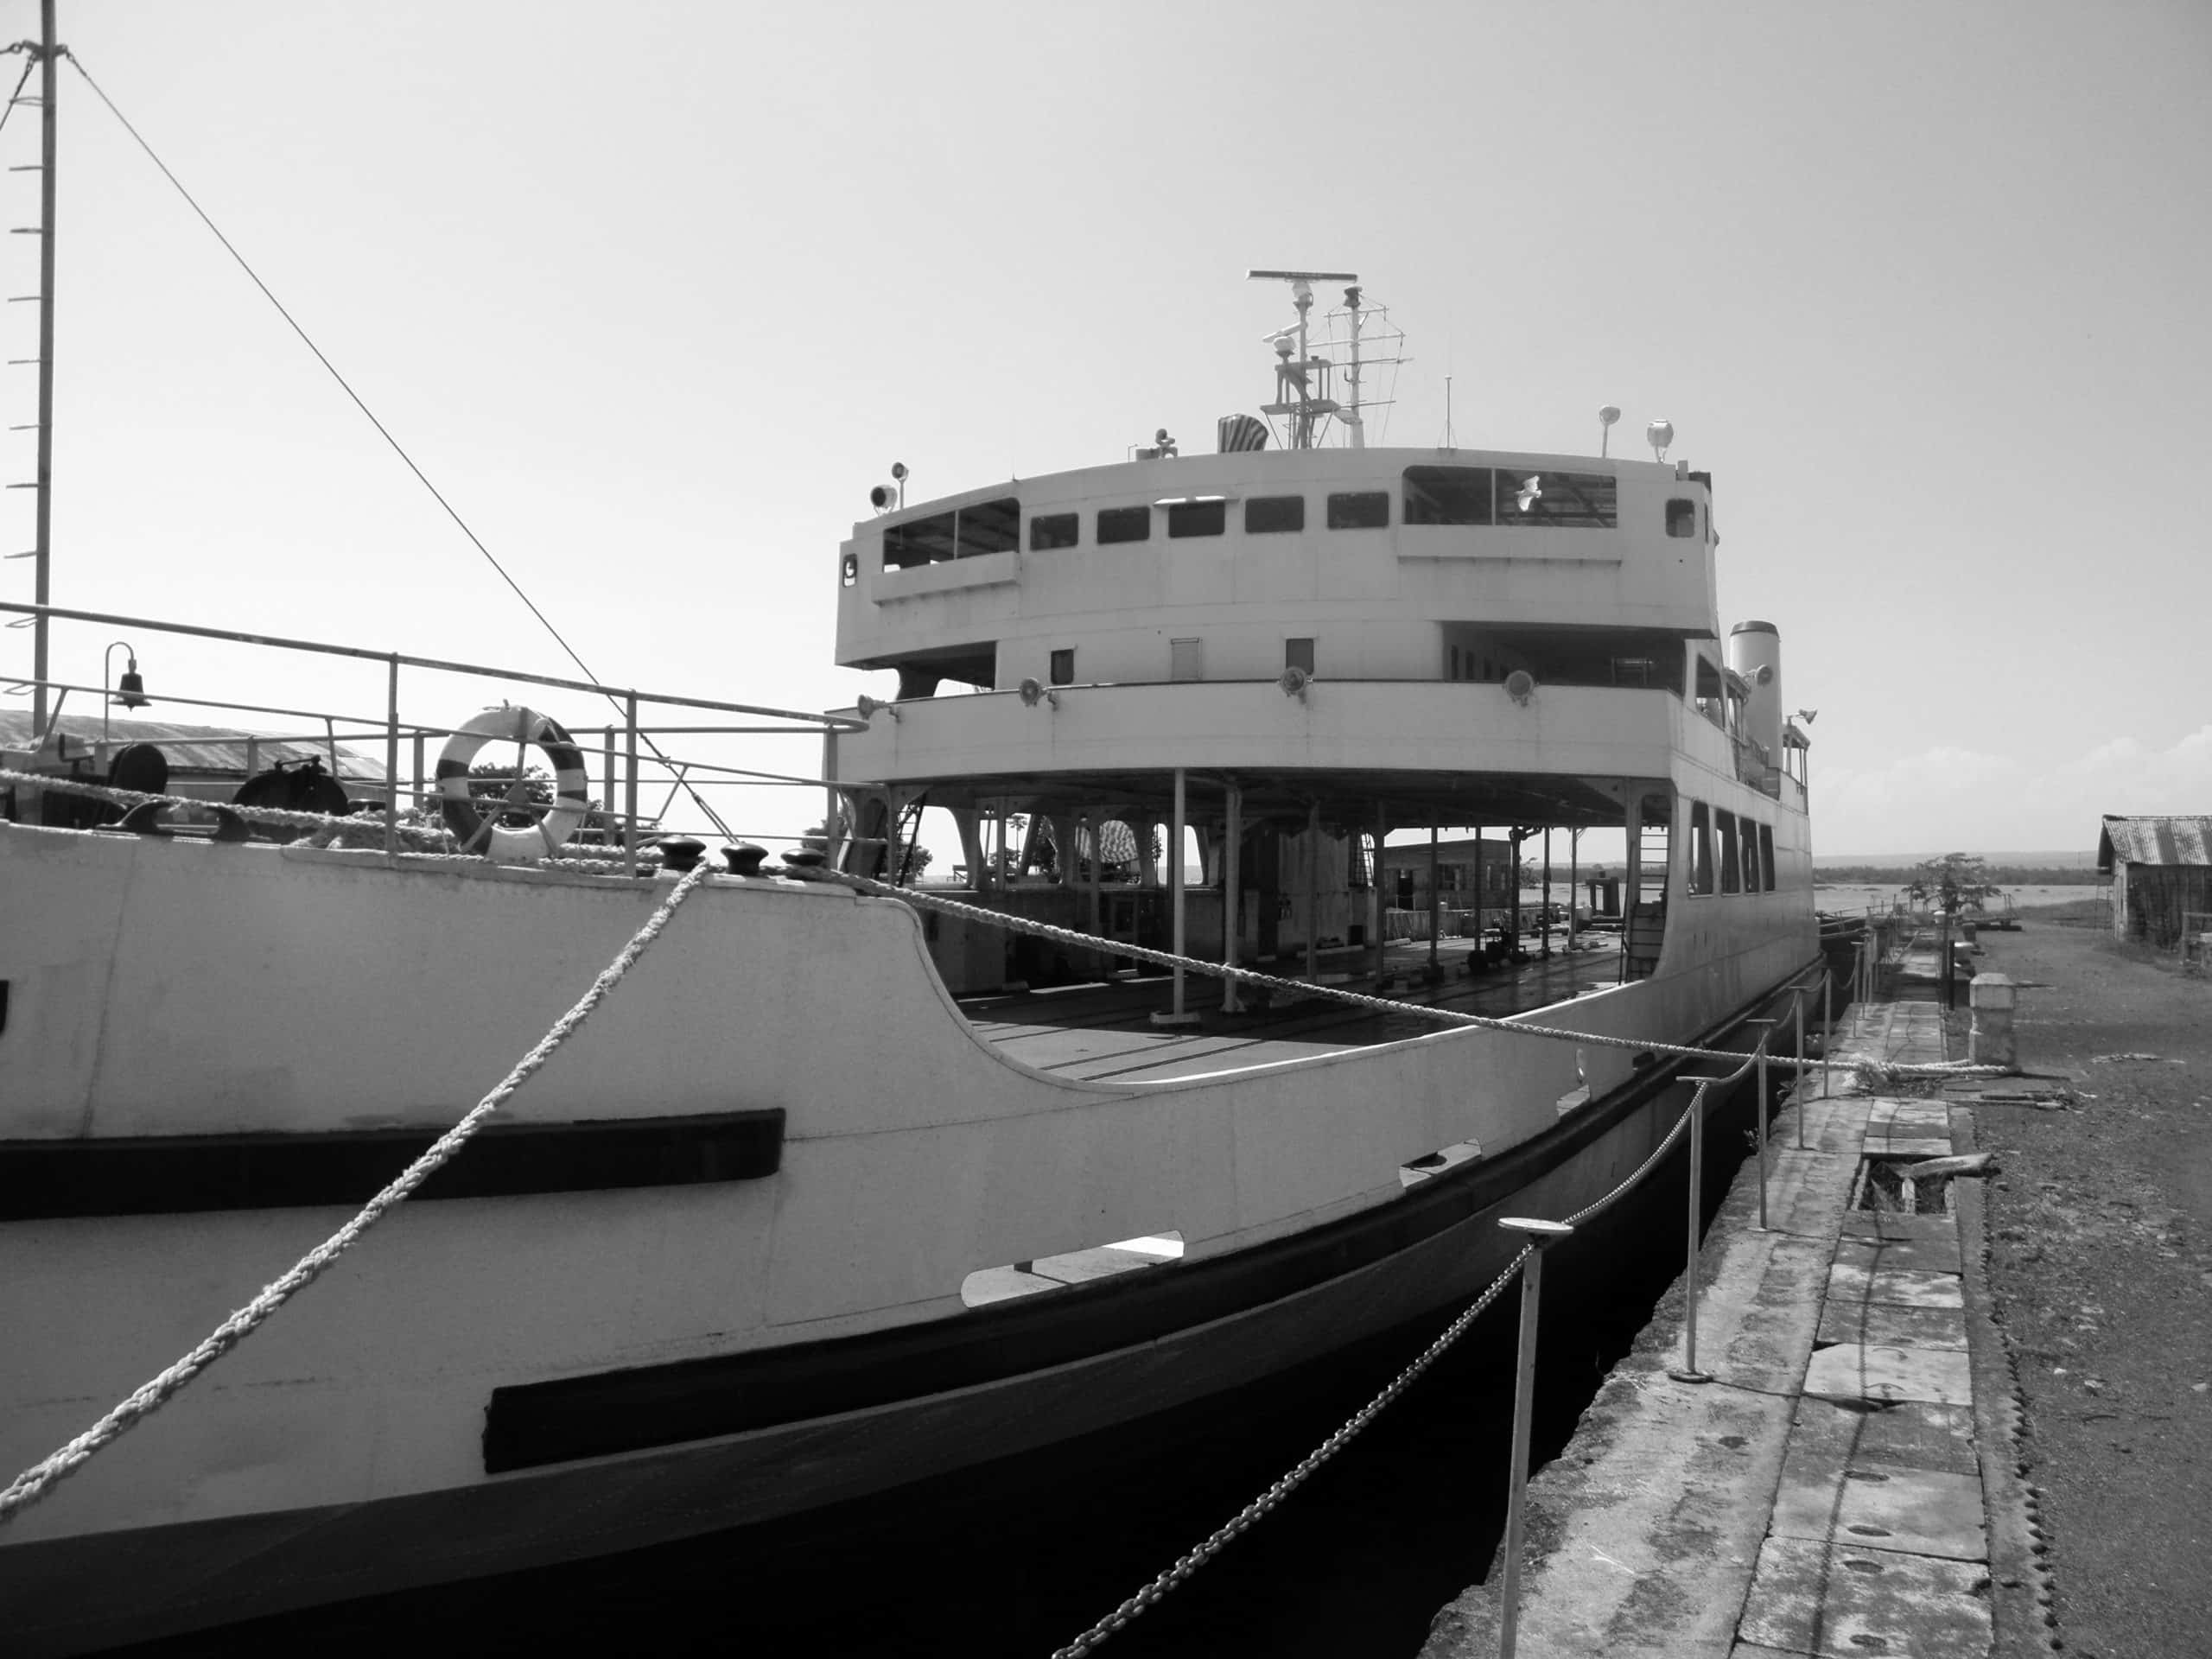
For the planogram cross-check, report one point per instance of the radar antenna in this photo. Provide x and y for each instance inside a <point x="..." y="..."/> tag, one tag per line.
<point x="1306" y="371"/>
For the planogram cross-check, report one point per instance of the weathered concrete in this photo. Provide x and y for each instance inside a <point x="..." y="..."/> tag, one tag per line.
<point x="1826" y="1494"/>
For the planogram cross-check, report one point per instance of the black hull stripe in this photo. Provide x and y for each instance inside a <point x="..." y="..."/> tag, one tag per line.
<point x="45" y="1180"/>
<point x="529" y="1425"/>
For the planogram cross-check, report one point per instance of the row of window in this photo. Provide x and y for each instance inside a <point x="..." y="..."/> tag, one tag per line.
<point x="1186" y="660"/>
<point x="1430" y="495"/>
<point x="1746" y="850"/>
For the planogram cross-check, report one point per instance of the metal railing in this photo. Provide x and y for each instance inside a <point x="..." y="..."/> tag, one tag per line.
<point x="631" y="758"/>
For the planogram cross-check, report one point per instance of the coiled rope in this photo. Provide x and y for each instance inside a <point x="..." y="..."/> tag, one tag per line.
<point x="42" y="1477"/>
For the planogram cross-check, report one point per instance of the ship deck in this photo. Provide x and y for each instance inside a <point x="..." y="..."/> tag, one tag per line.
<point x="1101" y="1032"/>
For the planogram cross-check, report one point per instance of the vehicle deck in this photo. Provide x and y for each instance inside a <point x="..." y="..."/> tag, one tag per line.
<point x="1094" y="1032"/>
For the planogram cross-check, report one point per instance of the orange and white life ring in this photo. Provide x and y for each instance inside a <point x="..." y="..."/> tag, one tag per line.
<point x="478" y="832"/>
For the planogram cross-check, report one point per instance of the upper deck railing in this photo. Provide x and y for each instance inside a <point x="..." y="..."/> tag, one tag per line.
<point x="633" y="759"/>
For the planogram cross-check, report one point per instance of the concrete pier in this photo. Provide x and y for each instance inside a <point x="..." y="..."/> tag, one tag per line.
<point x="1846" y="1484"/>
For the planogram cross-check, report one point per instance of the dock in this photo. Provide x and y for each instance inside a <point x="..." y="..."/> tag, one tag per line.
<point x="1847" y="1482"/>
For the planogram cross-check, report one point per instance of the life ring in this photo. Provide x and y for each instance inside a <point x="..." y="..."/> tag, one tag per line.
<point x="478" y="833"/>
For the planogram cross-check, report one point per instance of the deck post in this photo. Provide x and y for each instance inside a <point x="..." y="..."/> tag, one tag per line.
<point x="1539" y="1234"/>
<point x="391" y="761"/>
<point x="1546" y="913"/>
<point x="1797" y="1086"/>
<point x="1175" y="1015"/>
<point x="1435" y="900"/>
<point x="1313" y="889"/>
<point x="1092" y="826"/>
<point x="1232" y="883"/>
<point x="1689" y="1372"/>
<point x="1374" y="895"/>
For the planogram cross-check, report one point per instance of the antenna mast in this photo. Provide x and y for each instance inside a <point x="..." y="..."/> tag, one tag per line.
<point x="1302" y="381"/>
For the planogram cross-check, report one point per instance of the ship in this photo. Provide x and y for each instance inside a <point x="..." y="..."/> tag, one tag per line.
<point x="855" y="1179"/>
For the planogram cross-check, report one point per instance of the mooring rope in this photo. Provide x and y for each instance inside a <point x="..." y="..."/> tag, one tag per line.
<point x="42" y="1477"/>
<point x="1270" y="982"/>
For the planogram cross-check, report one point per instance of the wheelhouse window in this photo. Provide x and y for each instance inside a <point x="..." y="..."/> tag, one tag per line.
<point x="1766" y="855"/>
<point x="966" y="532"/>
<point x="1197" y="518"/>
<point x="1700" y="852"/>
<point x="1063" y="667"/>
<point x="1732" y="853"/>
<point x="1751" y="856"/>
<point x="1050" y="529"/>
<point x="1448" y="495"/>
<point x="1360" y="509"/>
<point x="1124" y="524"/>
<point x="1273" y="515"/>
<point x="1297" y="654"/>
<point x="1681" y="517"/>
<point x="1557" y="500"/>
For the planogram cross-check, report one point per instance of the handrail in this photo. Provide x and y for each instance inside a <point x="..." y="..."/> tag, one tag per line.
<point x="55" y="613"/>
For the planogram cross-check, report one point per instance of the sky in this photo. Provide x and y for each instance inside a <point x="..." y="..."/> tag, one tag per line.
<point x="654" y="293"/>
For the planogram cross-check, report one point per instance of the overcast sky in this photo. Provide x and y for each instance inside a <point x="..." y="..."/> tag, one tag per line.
<point x="655" y="292"/>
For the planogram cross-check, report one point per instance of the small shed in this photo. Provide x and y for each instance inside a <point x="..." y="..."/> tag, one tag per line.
<point x="2161" y="869"/>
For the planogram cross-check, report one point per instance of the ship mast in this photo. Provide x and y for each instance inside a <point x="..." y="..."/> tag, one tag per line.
<point x="1301" y="382"/>
<point x="47" y="53"/>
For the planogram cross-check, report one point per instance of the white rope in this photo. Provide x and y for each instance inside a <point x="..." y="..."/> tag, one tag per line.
<point x="42" y="1477"/>
<point x="1270" y="982"/>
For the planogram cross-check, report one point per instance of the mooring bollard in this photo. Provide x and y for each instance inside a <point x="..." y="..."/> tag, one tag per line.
<point x="1689" y="1372"/>
<point x="1539" y="1234"/>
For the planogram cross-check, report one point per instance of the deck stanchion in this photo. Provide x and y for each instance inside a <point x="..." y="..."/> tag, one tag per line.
<point x="1232" y="884"/>
<point x="1689" y="1372"/>
<point x="1539" y="1234"/>
<point x="1828" y="1025"/>
<point x="391" y="761"/>
<point x="1759" y="1055"/>
<point x="630" y="787"/>
<point x="1797" y="1086"/>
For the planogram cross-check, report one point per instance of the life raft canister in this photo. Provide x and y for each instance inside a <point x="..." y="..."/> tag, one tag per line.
<point x="478" y="832"/>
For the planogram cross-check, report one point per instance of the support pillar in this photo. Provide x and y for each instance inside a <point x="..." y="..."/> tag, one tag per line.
<point x="1312" y="889"/>
<point x="1232" y="885"/>
<point x="1435" y="902"/>
<point x="1375" y="892"/>
<point x="1176" y="1015"/>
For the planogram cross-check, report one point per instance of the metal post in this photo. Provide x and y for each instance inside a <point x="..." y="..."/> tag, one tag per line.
<point x="606" y="768"/>
<point x="1435" y="900"/>
<point x="1232" y="882"/>
<point x="420" y="743"/>
<point x="391" y="761"/>
<point x="43" y="571"/>
<point x="1765" y="1036"/>
<point x="1545" y="914"/>
<point x="1797" y="1085"/>
<point x="1313" y="889"/>
<point x="1375" y="892"/>
<point x="1175" y="887"/>
<point x="1827" y="1024"/>
<point x="1689" y="1372"/>
<point x="1539" y="1234"/>
<point x="630" y="788"/>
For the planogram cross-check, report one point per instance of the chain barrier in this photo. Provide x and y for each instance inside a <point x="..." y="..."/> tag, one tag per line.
<point x="1186" y="1565"/>
<point x="1154" y="1592"/>
<point x="42" y="1477"/>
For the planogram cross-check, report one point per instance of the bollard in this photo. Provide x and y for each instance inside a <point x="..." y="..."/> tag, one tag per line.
<point x="1990" y="1041"/>
<point x="1539" y="1234"/>
<point x="1689" y="1372"/>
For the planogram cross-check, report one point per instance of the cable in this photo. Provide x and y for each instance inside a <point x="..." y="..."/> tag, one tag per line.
<point x="381" y="430"/>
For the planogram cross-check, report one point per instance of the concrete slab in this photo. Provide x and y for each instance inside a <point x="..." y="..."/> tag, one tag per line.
<point x="1883" y="1506"/>
<point x="1934" y="1250"/>
<point x="1895" y="1225"/>
<point x="1906" y="1146"/>
<point x="1849" y="1282"/>
<point x="1880" y="1373"/>
<point x="1805" y="1192"/>
<point x="1914" y="1432"/>
<point x="1846" y="1602"/>
<point x="1883" y="1325"/>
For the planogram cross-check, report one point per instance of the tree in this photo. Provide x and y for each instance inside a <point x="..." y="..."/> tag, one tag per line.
<point x="915" y="861"/>
<point x="1952" y="881"/>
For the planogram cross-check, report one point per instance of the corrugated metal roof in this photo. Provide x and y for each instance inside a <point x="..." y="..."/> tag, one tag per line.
<point x="218" y="749"/>
<point x="2155" y="841"/>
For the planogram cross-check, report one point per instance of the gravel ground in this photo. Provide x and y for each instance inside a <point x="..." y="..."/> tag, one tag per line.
<point x="2100" y="1232"/>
